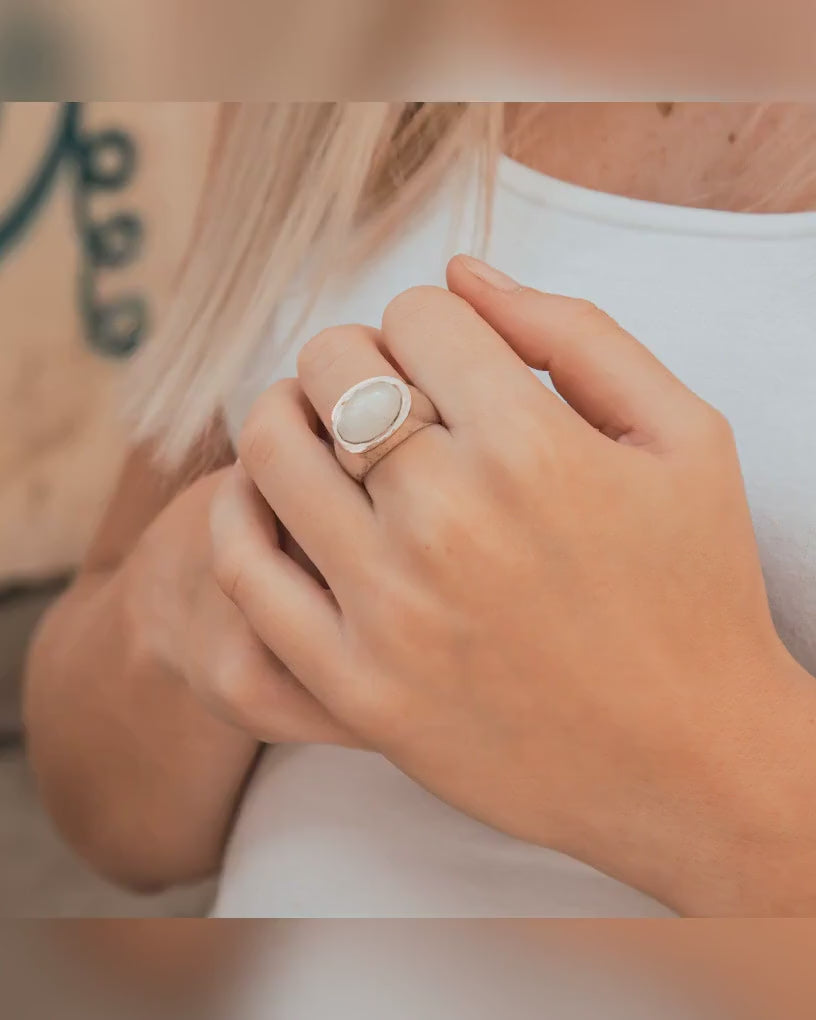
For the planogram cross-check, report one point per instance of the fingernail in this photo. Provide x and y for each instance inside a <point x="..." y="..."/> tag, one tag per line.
<point x="490" y="275"/>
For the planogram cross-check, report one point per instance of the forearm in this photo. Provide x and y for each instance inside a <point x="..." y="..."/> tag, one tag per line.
<point x="137" y="774"/>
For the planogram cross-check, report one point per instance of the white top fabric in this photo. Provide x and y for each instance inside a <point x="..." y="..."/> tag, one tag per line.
<point x="728" y="302"/>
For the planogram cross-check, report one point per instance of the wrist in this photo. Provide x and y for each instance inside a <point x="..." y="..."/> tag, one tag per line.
<point x="750" y="846"/>
<point x="722" y="823"/>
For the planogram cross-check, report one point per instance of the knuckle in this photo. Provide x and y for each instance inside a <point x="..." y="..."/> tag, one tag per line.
<point x="220" y="514"/>
<point x="720" y="426"/>
<point x="585" y="326"/>
<point x="328" y="348"/>
<point x="708" y="427"/>
<point x="228" y="569"/>
<point x="257" y="442"/>
<point x="587" y="314"/>
<point x="233" y="676"/>
<point x="416" y="303"/>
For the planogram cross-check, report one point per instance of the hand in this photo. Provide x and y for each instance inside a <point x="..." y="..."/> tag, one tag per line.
<point x="550" y="613"/>
<point x="203" y="636"/>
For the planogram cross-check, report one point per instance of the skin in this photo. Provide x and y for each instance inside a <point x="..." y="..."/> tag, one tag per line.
<point x="551" y="564"/>
<point x="706" y="155"/>
<point x="596" y="537"/>
<point x="193" y="688"/>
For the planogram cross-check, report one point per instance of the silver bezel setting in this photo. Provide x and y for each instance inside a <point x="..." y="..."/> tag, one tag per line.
<point x="404" y="411"/>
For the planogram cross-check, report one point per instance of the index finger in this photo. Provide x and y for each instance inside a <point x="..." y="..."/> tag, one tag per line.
<point x="613" y="381"/>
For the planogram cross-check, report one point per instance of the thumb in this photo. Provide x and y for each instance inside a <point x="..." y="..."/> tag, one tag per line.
<point x="609" y="378"/>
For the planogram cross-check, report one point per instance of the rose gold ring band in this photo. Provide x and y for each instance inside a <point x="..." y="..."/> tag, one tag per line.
<point x="373" y="418"/>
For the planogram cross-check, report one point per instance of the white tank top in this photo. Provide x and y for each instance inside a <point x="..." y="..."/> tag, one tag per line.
<point x="728" y="302"/>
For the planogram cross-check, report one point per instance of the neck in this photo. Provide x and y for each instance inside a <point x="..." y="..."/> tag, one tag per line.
<point x="737" y="156"/>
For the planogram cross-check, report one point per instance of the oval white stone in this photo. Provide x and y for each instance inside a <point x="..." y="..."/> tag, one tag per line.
<point x="369" y="412"/>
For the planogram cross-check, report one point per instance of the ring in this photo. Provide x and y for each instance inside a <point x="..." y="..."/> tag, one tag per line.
<point x="375" y="416"/>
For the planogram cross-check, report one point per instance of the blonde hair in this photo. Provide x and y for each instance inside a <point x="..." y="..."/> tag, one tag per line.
<point x="300" y="191"/>
<point x="293" y="188"/>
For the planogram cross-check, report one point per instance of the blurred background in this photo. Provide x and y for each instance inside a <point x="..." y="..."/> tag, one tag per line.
<point x="288" y="970"/>
<point x="393" y="49"/>
<point x="97" y="202"/>
<point x="96" y="206"/>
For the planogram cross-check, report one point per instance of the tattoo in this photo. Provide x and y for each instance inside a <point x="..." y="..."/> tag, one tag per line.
<point x="93" y="162"/>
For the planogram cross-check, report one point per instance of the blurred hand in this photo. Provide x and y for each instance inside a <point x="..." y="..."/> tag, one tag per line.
<point x="206" y="639"/>
<point x="549" y="612"/>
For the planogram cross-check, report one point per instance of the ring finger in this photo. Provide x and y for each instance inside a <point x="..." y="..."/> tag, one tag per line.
<point x="338" y="359"/>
